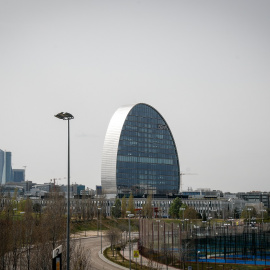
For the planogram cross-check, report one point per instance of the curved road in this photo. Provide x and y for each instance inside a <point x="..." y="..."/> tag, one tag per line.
<point x="93" y="244"/>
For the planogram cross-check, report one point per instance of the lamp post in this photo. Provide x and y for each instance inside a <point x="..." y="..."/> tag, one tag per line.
<point x="158" y="220"/>
<point x="198" y="254"/>
<point x="67" y="116"/>
<point x="182" y="209"/>
<point x="129" y="216"/>
<point x="100" y="231"/>
<point x="263" y="210"/>
<point x="249" y="209"/>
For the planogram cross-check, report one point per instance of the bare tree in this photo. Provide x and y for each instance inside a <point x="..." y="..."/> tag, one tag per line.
<point x="80" y="258"/>
<point x="148" y="208"/>
<point x="113" y="235"/>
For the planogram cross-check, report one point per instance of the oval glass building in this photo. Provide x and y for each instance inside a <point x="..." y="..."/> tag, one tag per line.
<point x="139" y="154"/>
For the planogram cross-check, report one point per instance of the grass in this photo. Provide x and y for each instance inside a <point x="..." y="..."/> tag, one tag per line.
<point x="91" y="225"/>
<point x="119" y="259"/>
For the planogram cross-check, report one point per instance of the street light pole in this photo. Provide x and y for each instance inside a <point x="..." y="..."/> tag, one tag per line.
<point x="100" y="232"/>
<point x="249" y="209"/>
<point x="67" y="116"/>
<point x="129" y="216"/>
<point x="182" y="209"/>
<point x="263" y="210"/>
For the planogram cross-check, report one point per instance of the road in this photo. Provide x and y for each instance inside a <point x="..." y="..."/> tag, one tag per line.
<point x="93" y="244"/>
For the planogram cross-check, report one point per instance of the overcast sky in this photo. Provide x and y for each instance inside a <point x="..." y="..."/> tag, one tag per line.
<point x="204" y="65"/>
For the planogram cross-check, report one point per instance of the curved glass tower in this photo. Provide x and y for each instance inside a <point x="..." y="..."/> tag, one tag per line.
<point x="139" y="154"/>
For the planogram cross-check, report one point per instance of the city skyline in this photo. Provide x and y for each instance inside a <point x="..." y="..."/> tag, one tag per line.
<point x="204" y="65"/>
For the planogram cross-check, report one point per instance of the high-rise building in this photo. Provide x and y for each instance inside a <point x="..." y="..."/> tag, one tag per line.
<point x="139" y="154"/>
<point x="8" y="168"/>
<point x="18" y="175"/>
<point x="2" y="166"/>
<point x="5" y="167"/>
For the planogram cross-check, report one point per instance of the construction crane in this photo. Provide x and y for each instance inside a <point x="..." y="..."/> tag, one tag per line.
<point x="58" y="179"/>
<point x="181" y="182"/>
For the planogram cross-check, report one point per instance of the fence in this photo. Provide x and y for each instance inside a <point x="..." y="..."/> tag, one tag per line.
<point x="177" y="243"/>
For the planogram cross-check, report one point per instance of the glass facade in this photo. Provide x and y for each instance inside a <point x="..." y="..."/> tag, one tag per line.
<point x="2" y="167"/>
<point x="5" y="167"/>
<point x="147" y="159"/>
<point x="8" y="167"/>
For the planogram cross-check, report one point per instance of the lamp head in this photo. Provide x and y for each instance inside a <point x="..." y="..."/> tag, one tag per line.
<point x="64" y="116"/>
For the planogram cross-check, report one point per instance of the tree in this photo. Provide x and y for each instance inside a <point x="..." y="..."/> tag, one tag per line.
<point x="246" y="213"/>
<point x="116" y="209"/>
<point x="79" y="258"/>
<point x="124" y="206"/>
<point x="131" y="207"/>
<point x="37" y="208"/>
<point x="174" y="208"/>
<point x="191" y="213"/>
<point x="26" y="242"/>
<point x="113" y="235"/>
<point x="148" y="208"/>
<point x="204" y="216"/>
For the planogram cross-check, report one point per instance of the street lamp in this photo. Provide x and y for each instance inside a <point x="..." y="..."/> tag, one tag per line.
<point x="67" y="116"/>
<point x="129" y="216"/>
<point x="249" y="209"/>
<point x="100" y="231"/>
<point x="158" y="220"/>
<point x="263" y="210"/>
<point x="182" y="209"/>
<point x="186" y="219"/>
<point x="198" y="254"/>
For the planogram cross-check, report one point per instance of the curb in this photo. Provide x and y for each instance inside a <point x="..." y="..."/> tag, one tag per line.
<point x="84" y="237"/>
<point x="102" y="257"/>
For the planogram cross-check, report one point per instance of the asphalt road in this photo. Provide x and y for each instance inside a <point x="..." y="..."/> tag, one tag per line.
<point x="93" y="245"/>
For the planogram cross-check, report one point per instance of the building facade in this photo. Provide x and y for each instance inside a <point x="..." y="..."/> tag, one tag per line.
<point x="139" y="154"/>
<point x="255" y="197"/>
<point x="18" y="175"/>
<point x="5" y="167"/>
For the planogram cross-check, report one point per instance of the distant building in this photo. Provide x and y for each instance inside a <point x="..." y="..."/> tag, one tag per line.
<point x="10" y="190"/>
<point x="98" y="190"/>
<point x="47" y="187"/>
<point x="202" y="193"/>
<point x="5" y="167"/>
<point x="18" y="175"/>
<point x="80" y="189"/>
<point x="88" y="192"/>
<point x="27" y="185"/>
<point x="2" y="167"/>
<point x="139" y="154"/>
<point x="255" y="197"/>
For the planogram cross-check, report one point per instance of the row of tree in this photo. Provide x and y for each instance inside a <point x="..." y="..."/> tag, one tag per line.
<point x="120" y="208"/>
<point x="179" y="210"/>
<point x="28" y="236"/>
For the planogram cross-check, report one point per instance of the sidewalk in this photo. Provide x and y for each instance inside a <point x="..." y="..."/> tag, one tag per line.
<point x="102" y="257"/>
